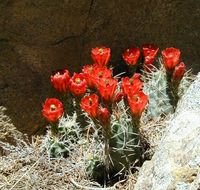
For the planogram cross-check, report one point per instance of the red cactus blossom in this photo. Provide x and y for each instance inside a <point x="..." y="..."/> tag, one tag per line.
<point x="137" y="102"/>
<point x="99" y="73"/>
<point x="106" y="88"/>
<point x="52" y="109"/>
<point x="118" y="97"/>
<point x="101" y="55"/>
<point x="131" y="55"/>
<point x="60" y="80"/>
<point x="171" y="57"/>
<point x="78" y="84"/>
<point x="88" y="71"/>
<point x="104" y="116"/>
<point x="149" y="52"/>
<point x="179" y="72"/>
<point x="133" y="84"/>
<point x="90" y="105"/>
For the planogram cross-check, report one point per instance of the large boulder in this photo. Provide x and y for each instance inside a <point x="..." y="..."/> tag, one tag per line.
<point x="176" y="163"/>
<point x="37" y="37"/>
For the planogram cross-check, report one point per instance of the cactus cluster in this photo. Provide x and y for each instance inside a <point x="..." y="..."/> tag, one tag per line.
<point x="114" y="108"/>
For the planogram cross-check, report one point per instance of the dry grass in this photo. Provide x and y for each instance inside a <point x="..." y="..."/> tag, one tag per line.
<point x="151" y="133"/>
<point x="29" y="167"/>
<point x="26" y="165"/>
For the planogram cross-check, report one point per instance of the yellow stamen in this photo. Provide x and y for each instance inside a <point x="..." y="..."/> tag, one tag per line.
<point x="136" y="98"/>
<point x="52" y="107"/>
<point x="100" y="74"/>
<point x="90" y="101"/>
<point x="101" y="51"/>
<point x="78" y="80"/>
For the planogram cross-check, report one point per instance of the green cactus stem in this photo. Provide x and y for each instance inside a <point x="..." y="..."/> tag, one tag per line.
<point x="125" y="141"/>
<point x="155" y="86"/>
<point x="172" y="89"/>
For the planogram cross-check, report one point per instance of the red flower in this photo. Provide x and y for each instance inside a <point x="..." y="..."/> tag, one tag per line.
<point x="133" y="84"/>
<point x="104" y="116"/>
<point x="106" y="88"/>
<point x="99" y="73"/>
<point x="101" y="55"/>
<point x="131" y="55"/>
<point x="90" y="105"/>
<point x="137" y="102"/>
<point x="60" y="80"/>
<point x="78" y="84"/>
<point x="171" y="57"/>
<point x="179" y="72"/>
<point x="88" y="70"/>
<point x="149" y="51"/>
<point x="52" y="109"/>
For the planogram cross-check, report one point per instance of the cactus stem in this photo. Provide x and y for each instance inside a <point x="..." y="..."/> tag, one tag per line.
<point x="106" y="158"/>
<point x="172" y="90"/>
<point x="136" y="122"/>
<point x="54" y="128"/>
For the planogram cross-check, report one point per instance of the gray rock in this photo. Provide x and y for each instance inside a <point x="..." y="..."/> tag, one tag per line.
<point x="176" y="163"/>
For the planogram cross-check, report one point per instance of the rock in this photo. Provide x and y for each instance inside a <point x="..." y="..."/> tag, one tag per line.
<point x="37" y="37"/>
<point x="176" y="163"/>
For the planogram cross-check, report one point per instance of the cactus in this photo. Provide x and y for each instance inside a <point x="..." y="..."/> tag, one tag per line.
<point x="69" y="128"/>
<point x="124" y="144"/>
<point x="60" y="144"/>
<point x="155" y="86"/>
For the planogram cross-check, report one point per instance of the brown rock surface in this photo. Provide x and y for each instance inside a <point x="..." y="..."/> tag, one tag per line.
<point x="39" y="36"/>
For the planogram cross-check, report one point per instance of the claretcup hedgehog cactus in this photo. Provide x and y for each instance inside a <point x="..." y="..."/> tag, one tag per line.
<point x="114" y="107"/>
<point x="60" y="144"/>
<point x="155" y="86"/>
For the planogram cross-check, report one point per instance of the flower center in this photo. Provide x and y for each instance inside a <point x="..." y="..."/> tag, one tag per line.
<point x="90" y="101"/>
<point x="100" y="74"/>
<point x="136" y="98"/>
<point x="107" y="82"/>
<point x="78" y="80"/>
<point x="101" y="51"/>
<point x="90" y="69"/>
<point x="53" y="107"/>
